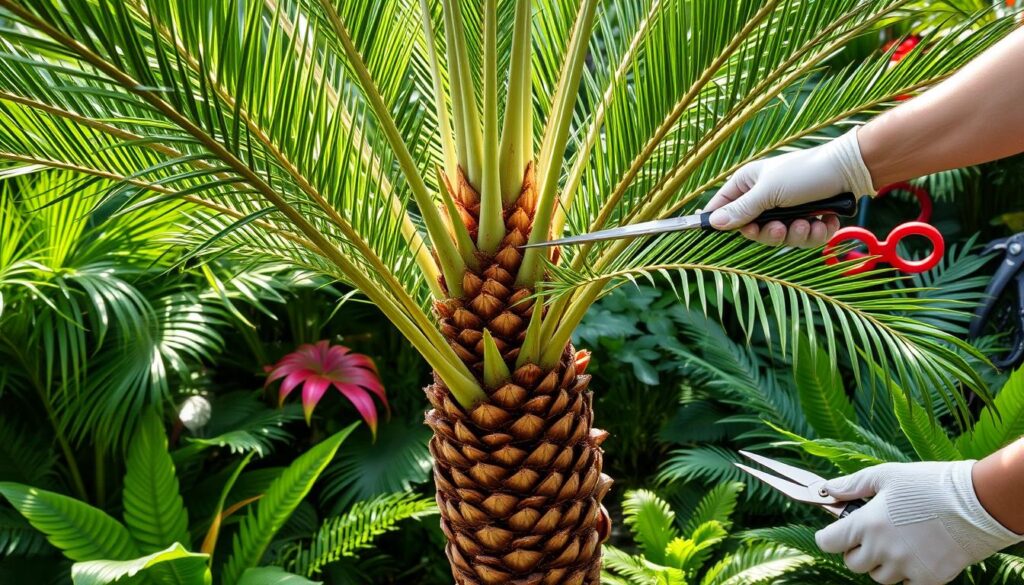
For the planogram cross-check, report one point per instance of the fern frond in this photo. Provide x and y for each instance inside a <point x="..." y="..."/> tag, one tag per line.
<point x="283" y="495"/>
<point x="355" y="530"/>
<point x="999" y="424"/>
<point x="652" y="522"/>
<point x="716" y="506"/>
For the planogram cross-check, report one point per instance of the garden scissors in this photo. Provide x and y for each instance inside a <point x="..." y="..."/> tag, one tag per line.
<point x="1006" y="317"/>
<point x="800" y="485"/>
<point x="886" y="250"/>
<point x="844" y="205"/>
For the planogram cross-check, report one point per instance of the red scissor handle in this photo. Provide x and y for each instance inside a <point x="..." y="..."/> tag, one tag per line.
<point x="924" y="199"/>
<point x="885" y="251"/>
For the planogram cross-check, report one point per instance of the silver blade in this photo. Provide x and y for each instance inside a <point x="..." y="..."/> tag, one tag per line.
<point x="793" y="491"/>
<point x="648" y="228"/>
<point x="796" y="474"/>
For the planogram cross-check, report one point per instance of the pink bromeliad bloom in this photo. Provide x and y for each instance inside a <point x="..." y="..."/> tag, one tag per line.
<point x="319" y="366"/>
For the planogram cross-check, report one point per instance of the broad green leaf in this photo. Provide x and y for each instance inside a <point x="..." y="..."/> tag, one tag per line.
<point x="823" y="398"/>
<point x="273" y="576"/>
<point x="82" y="532"/>
<point x="273" y="510"/>
<point x="652" y="522"/>
<point x="999" y="424"/>
<point x="153" y="508"/>
<point x="189" y="568"/>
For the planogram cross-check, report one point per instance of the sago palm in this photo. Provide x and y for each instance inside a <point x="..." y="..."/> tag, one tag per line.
<point x="409" y="147"/>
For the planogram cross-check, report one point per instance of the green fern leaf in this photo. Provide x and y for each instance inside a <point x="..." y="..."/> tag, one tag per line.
<point x="755" y="564"/>
<point x="82" y="532"/>
<point x="282" y="497"/>
<point x="717" y="505"/>
<point x="355" y="530"/>
<point x="929" y="439"/>
<point x="622" y="568"/>
<point x="689" y="554"/>
<point x="153" y="508"/>
<point x="999" y="424"/>
<point x="652" y="522"/>
<point x="823" y="399"/>
<point x="801" y="538"/>
<point x="188" y="568"/>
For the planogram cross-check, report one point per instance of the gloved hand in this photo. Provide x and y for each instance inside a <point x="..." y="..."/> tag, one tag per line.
<point x="790" y="179"/>
<point x="923" y="526"/>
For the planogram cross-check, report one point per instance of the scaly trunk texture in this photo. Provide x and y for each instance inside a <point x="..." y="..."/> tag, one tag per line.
<point x="518" y="477"/>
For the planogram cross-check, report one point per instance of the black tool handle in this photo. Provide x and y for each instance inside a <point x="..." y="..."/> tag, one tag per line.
<point x="843" y="205"/>
<point x="852" y="507"/>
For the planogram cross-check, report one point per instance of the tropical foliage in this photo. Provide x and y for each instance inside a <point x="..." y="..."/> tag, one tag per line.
<point x="190" y="191"/>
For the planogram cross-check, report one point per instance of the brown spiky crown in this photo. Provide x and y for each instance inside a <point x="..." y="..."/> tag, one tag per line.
<point x="519" y="482"/>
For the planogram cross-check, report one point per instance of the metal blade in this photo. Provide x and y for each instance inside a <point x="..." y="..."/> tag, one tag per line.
<point x="648" y="228"/>
<point x="794" y="491"/>
<point x="796" y="474"/>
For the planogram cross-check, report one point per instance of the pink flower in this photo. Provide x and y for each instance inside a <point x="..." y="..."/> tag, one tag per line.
<point x="319" y="366"/>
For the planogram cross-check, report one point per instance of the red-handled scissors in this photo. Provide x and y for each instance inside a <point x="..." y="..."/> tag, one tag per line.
<point x="886" y="250"/>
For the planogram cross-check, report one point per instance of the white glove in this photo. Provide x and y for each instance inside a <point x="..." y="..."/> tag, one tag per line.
<point x="923" y="526"/>
<point x="790" y="179"/>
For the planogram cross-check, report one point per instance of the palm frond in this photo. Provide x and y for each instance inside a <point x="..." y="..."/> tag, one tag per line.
<point x="235" y="142"/>
<point x="797" y="291"/>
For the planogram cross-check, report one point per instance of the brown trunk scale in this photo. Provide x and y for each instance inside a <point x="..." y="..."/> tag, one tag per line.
<point x="518" y="477"/>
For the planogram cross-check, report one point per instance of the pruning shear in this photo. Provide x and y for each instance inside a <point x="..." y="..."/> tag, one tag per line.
<point x="1006" y="317"/>
<point x="886" y="250"/>
<point x="844" y="205"/>
<point x="799" y="484"/>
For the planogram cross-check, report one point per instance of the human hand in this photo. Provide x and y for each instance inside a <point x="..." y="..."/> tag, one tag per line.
<point x="787" y="180"/>
<point x="923" y="525"/>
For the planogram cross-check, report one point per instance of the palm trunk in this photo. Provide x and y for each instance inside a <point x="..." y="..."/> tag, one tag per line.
<point x="518" y="477"/>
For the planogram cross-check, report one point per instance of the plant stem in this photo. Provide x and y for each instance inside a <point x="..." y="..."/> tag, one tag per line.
<point x="517" y="130"/>
<point x="451" y="163"/>
<point x="65" y="447"/>
<point x="444" y="125"/>
<point x="492" y="224"/>
<point x="100" y="479"/>
<point x="448" y="255"/>
<point x="461" y="80"/>
<point x="558" y="135"/>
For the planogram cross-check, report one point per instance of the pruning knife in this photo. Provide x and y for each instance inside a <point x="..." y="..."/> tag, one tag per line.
<point x="843" y="205"/>
<point x="799" y="484"/>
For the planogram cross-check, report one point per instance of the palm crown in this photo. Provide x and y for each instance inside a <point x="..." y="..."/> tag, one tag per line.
<point x="408" y="148"/>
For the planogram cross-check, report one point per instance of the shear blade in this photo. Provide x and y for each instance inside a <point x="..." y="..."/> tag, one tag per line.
<point x="799" y="476"/>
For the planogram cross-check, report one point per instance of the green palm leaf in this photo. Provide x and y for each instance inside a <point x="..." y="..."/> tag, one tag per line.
<point x="81" y="532"/>
<point x="153" y="508"/>
<point x="281" y="498"/>
<point x="797" y="291"/>
<point x="188" y="568"/>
